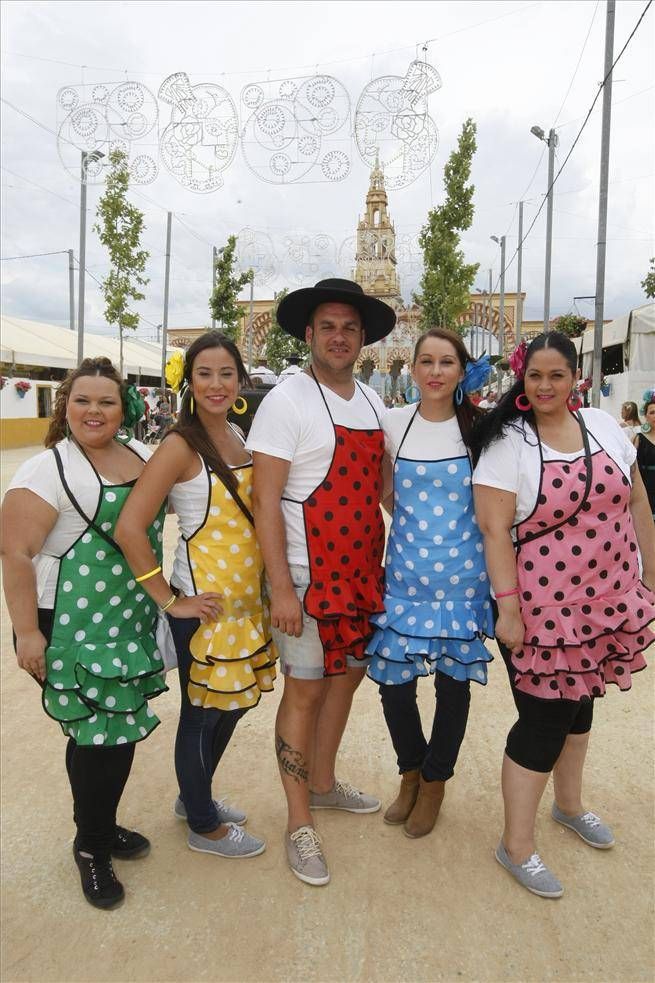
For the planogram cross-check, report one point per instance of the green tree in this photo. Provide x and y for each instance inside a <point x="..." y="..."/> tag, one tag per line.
<point x="648" y="283"/>
<point x="447" y="280"/>
<point x="223" y="305"/>
<point x="119" y="226"/>
<point x="281" y="346"/>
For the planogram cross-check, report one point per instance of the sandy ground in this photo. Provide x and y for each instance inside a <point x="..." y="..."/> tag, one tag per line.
<point x="396" y="910"/>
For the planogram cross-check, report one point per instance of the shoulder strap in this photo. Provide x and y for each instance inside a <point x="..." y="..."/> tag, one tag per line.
<point x="78" y="508"/>
<point x="585" y="494"/>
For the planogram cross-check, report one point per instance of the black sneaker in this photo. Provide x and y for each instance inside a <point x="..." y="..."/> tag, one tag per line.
<point x="100" y="885"/>
<point x="128" y="844"/>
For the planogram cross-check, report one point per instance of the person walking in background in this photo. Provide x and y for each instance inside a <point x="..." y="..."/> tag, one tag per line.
<point x="318" y="449"/>
<point x="630" y="418"/>
<point x="644" y="441"/>
<point x="436" y="608"/>
<point x="84" y="629"/>
<point x="214" y="603"/>
<point x="565" y="517"/>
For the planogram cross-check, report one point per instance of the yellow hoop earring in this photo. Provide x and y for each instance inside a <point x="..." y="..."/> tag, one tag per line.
<point x="192" y="406"/>
<point x="240" y="410"/>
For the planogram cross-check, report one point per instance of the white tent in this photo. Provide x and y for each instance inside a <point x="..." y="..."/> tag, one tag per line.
<point x="636" y="332"/>
<point x="24" y="342"/>
<point x="264" y="374"/>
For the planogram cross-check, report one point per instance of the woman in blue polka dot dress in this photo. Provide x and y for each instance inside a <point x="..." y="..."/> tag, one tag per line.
<point x="84" y="628"/>
<point x="437" y="606"/>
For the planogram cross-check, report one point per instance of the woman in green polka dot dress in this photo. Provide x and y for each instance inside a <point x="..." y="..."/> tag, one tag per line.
<point x="84" y="629"/>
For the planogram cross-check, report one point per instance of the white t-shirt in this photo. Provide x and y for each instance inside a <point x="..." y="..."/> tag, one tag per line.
<point x="292" y="423"/>
<point x="426" y="441"/>
<point x="513" y="464"/>
<point x="40" y="475"/>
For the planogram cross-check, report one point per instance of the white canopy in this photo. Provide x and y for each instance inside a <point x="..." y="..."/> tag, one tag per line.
<point x="639" y="321"/>
<point x="36" y="343"/>
<point x="265" y="374"/>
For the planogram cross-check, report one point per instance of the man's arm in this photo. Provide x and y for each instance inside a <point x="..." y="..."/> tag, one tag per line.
<point x="269" y="481"/>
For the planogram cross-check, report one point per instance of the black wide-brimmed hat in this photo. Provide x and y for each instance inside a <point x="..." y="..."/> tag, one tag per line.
<point x="296" y="308"/>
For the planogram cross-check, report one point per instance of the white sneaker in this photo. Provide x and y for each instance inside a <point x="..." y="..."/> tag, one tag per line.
<point x="305" y="856"/>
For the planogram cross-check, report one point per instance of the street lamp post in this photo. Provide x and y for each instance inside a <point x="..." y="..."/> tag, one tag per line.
<point x="87" y="158"/>
<point x="551" y="142"/>
<point x="501" y="309"/>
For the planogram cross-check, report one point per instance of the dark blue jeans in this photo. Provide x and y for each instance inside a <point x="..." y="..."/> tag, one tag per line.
<point x="435" y="758"/>
<point x="202" y="737"/>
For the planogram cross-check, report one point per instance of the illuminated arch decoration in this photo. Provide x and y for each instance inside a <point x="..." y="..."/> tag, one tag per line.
<point x="255" y="251"/>
<point x="293" y="129"/>
<point x="105" y="116"/>
<point x="392" y="120"/>
<point x="308" y="257"/>
<point x="200" y="140"/>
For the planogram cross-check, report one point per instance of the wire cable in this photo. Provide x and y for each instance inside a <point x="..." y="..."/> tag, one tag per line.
<point x="56" y="252"/>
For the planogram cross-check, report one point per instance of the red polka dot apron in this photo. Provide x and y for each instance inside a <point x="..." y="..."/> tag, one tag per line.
<point x="345" y="543"/>
<point x="585" y="610"/>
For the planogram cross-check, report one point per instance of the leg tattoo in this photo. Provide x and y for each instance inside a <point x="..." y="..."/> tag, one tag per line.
<point x="291" y="762"/>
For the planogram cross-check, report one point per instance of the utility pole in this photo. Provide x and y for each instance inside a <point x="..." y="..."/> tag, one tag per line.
<point x="252" y="300"/>
<point x="602" y="204"/>
<point x="490" y="320"/>
<point x="501" y="313"/>
<point x="552" y="143"/>
<point x="71" y="289"/>
<point x="164" y="323"/>
<point x="519" y="268"/>
<point x="214" y="258"/>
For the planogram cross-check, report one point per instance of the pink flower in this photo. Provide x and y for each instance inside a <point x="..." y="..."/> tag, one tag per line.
<point x="517" y="359"/>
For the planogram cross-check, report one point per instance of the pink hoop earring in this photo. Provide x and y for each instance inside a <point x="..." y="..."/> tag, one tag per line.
<point x="574" y="402"/>
<point x="522" y="403"/>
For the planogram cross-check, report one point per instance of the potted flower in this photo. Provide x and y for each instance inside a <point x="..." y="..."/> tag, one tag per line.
<point x="22" y="387"/>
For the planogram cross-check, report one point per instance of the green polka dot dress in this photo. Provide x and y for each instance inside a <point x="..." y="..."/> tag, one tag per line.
<point x="102" y="663"/>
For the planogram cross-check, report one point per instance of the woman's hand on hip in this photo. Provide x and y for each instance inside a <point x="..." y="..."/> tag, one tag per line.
<point x="30" y="653"/>
<point x="203" y="606"/>
<point x="510" y="630"/>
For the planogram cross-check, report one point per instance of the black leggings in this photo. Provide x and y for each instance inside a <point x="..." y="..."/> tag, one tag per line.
<point x="436" y="758"/>
<point x="537" y="738"/>
<point x="97" y="777"/>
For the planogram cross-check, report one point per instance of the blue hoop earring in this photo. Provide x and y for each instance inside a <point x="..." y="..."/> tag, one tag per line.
<point x="409" y="394"/>
<point x="459" y="395"/>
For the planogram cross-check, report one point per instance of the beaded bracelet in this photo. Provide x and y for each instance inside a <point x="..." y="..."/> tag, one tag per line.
<point x="147" y="576"/>
<point x="507" y="593"/>
<point x="169" y="603"/>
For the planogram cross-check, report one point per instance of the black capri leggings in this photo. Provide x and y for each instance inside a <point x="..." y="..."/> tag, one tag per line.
<point x="537" y="738"/>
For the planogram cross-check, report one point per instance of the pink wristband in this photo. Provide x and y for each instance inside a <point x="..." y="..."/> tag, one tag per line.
<point x="508" y="593"/>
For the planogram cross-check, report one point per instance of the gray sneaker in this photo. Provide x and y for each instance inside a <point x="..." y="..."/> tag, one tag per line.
<point x="235" y="844"/>
<point x="226" y="813"/>
<point x="346" y="797"/>
<point x="588" y="827"/>
<point x="532" y="874"/>
<point x="306" y="857"/>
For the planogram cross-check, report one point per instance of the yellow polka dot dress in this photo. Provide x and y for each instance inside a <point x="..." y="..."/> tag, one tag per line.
<point x="233" y="657"/>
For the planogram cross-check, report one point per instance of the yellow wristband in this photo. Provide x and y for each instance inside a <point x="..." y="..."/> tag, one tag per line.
<point x="169" y="603"/>
<point x="147" y="576"/>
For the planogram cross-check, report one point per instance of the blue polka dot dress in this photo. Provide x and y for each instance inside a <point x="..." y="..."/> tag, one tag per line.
<point x="437" y="605"/>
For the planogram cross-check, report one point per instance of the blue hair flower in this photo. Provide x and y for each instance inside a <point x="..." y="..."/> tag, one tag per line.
<point x="476" y="374"/>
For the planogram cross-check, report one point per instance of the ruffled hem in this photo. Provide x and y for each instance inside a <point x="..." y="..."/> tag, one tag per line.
<point x="422" y="622"/>
<point x="585" y="671"/>
<point x="233" y="664"/>
<point x="107" y="731"/>
<point x="577" y="624"/>
<point x="92" y="679"/>
<point x="343" y="611"/>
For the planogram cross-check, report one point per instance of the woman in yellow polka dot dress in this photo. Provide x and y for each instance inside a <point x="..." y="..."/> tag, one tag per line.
<point x="216" y="610"/>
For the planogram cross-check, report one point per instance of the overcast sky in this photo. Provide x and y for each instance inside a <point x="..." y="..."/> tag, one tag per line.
<point x="507" y="65"/>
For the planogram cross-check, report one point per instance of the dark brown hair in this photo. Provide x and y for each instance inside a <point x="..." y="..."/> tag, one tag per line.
<point x="189" y="425"/>
<point x="89" y="367"/>
<point x="466" y="412"/>
<point x="632" y="411"/>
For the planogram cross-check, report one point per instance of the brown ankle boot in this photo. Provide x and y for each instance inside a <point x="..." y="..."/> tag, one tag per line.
<point x="423" y="816"/>
<point x="403" y="804"/>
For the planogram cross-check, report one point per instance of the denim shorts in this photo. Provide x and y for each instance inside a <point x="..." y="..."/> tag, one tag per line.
<point x="302" y="658"/>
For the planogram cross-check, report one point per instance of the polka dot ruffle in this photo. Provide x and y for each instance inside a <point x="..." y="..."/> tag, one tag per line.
<point x="232" y="664"/>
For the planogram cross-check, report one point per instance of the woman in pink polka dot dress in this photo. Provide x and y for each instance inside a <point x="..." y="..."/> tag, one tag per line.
<point x="570" y="549"/>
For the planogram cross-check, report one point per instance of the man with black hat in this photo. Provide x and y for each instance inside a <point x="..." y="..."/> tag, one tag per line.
<point x="318" y="448"/>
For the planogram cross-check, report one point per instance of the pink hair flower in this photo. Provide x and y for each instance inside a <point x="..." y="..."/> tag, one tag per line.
<point x="517" y="359"/>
